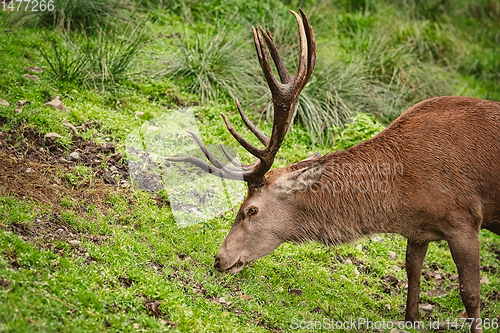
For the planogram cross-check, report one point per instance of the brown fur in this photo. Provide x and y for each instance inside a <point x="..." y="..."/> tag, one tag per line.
<point x="444" y="185"/>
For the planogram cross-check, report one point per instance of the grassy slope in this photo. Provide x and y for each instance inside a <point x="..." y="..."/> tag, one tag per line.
<point x="50" y="292"/>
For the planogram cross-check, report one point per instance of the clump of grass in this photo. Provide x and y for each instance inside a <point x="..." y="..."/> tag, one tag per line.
<point x="99" y="61"/>
<point x="73" y="14"/>
<point x="66" y="61"/>
<point x="211" y="65"/>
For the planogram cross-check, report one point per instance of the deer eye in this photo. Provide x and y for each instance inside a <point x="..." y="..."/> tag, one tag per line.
<point x="252" y="211"/>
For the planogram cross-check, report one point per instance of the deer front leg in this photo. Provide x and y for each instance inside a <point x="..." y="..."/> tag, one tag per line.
<point x="464" y="249"/>
<point x="415" y="254"/>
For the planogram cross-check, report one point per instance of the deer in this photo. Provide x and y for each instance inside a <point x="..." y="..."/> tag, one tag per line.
<point x="440" y="180"/>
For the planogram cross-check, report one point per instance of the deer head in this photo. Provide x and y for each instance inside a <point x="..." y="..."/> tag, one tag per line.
<point x="263" y="220"/>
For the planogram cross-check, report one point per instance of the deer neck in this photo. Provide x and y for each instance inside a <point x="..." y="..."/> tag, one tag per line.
<point x="356" y="196"/>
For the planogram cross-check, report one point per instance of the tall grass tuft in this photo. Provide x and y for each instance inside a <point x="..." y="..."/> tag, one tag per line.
<point x="96" y="62"/>
<point x="74" y="14"/>
<point x="211" y="65"/>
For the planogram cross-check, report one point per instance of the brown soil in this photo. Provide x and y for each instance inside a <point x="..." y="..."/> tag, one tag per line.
<point x="33" y="167"/>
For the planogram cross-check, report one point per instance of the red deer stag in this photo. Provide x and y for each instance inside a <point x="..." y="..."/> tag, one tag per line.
<point x="440" y="180"/>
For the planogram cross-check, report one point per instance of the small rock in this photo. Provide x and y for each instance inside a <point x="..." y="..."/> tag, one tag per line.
<point x="223" y="301"/>
<point x="453" y="277"/>
<point x="107" y="139"/>
<point x="18" y="111"/>
<point x="124" y="184"/>
<point x="34" y="69"/>
<point x="113" y="169"/>
<point x="426" y="308"/>
<point x="60" y="230"/>
<point x="376" y="238"/>
<point x="392" y="255"/>
<point x="485" y="280"/>
<point x="356" y="272"/>
<point x="28" y="170"/>
<point x="139" y="114"/>
<point x="394" y="330"/>
<point x="297" y="292"/>
<point x="436" y="293"/>
<point x="74" y="242"/>
<point x="74" y="156"/>
<point x="303" y="303"/>
<point x="115" y="157"/>
<point x="137" y="326"/>
<point x="32" y="77"/>
<point x="246" y="297"/>
<point x="4" y="102"/>
<point x="56" y="103"/>
<point x="21" y="103"/>
<point x="359" y="247"/>
<point x="52" y="136"/>
<point x="387" y="306"/>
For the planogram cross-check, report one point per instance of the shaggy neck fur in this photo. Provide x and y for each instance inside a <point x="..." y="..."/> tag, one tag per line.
<point x="354" y="197"/>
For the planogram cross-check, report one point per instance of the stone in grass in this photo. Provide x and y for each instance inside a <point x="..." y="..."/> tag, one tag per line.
<point x="139" y="114"/>
<point x="74" y="156"/>
<point x="22" y="103"/>
<point x="392" y="255"/>
<point x="56" y="103"/>
<point x="34" y="69"/>
<point x="74" y="242"/>
<point x="52" y="136"/>
<point x="18" y="111"/>
<point x="427" y="308"/>
<point x="4" y="102"/>
<point x="32" y="77"/>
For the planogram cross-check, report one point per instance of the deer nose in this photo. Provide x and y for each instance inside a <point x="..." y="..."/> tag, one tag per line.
<point x="216" y="264"/>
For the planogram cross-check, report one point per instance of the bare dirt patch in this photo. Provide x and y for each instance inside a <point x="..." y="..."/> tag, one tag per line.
<point x="33" y="167"/>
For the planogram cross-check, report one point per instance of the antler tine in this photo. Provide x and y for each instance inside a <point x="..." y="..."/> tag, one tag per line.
<point x="244" y="167"/>
<point x="303" y="61"/>
<point x="207" y="167"/>
<point x="311" y="45"/>
<point x="248" y="146"/>
<point x="285" y="77"/>
<point x="255" y="130"/>
<point x="272" y="82"/>
<point x="205" y="151"/>
<point x="231" y="158"/>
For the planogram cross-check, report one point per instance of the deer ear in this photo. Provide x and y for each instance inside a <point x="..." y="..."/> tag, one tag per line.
<point x="301" y="180"/>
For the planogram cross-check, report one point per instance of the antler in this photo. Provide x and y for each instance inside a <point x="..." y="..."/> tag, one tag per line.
<point x="284" y="95"/>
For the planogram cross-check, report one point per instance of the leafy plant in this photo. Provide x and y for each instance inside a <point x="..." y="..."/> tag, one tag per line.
<point x="361" y="128"/>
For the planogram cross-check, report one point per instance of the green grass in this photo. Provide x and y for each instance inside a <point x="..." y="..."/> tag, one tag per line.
<point x="375" y="59"/>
